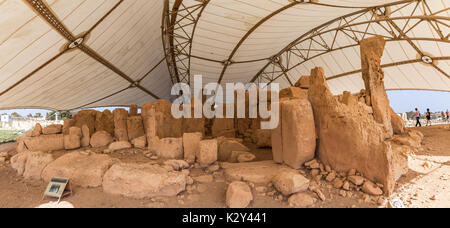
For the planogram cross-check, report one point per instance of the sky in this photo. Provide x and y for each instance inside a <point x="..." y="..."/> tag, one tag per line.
<point x="401" y="102"/>
<point x="408" y="100"/>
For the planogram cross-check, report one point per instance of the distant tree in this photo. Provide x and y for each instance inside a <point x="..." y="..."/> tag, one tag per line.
<point x="30" y="115"/>
<point x="38" y="115"/>
<point x="16" y="115"/>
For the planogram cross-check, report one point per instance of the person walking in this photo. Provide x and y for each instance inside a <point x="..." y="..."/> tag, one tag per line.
<point x="418" y="124"/>
<point x="448" y="115"/>
<point x="428" y="117"/>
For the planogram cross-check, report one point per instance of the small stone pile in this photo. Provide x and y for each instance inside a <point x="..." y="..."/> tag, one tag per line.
<point x="348" y="184"/>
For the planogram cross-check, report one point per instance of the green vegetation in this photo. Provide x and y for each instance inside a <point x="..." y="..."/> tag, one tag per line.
<point x="10" y="136"/>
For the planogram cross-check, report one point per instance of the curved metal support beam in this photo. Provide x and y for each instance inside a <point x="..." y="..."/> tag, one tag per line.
<point x="176" y="38"/>
<point x="229" y="61"/>
<point x="46" y="13"/>
<point x="313" y="44"/>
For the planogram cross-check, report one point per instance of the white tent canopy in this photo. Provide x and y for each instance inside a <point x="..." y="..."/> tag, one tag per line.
<point x="72" y="54"/>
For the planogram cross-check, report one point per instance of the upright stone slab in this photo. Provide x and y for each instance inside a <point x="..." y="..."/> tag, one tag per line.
<point x="135" y="127"/>
<point x="371" y="52"/>
<point x="166" y="125"/>
<point x="350" y="138"/>
<point x="298" y="132"/>
<point x="191" y="145"/>
<point x="105" y="122"/>
<point x="86" y="117"/>
<point x="68" y="123"/>
<point x="149" y="120"/>
<point x="207" y="153"/>
<point x="277" y="137"/>
<point x="86" y="137"/>
<point x="120" y="124"/>
<point x="134" y="110"/>
<point x="194" y="125"/>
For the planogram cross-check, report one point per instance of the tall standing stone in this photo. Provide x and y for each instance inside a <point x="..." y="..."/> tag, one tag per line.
<point x="298" y="132"/>
<point x="135" y="127"/>
<point x="105" y="122"/>
<point x="133" y="110"/>
<point x="371" y="52"/>
<point x="86" y="117"/>
<point x="86" y="136"/>
<point x="120" y="124"/>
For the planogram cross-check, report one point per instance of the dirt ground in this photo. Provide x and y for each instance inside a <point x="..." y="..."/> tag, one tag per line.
<point x="426" y="185"/>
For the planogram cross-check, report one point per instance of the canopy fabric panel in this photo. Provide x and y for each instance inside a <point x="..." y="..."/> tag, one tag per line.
<point x="71" y="54"/>
<point x="75" y="54"/>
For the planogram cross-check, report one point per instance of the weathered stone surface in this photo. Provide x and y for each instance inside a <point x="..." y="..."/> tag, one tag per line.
<point x="371" y="52"/>
<point x="76" y="131"/>
<point x="135" y="127"/>
<point x="140" y="142"/>
<point x="37" y="131"/>
<point x="356" y="180"/>
<point x="304" y="82"/>
<point x="44" y="143"/>
<point x="223" y="127"/>
<point x="101" y="139"/>
<point x="254" y="172"/>
<point x="177" y="165"/>
<point x="149" y="119"/>
<point x="143" y="181"/>
<point x="52" y="129"/>
<point x="169" y="148"/>
<point x="298" y="132"/>
<point x="263" y="138"/>
<point x="104" y="121"/>
<point x="239" y="195"/>
<point x="83" y="170"/>
<point x="134" y="110"/>
<point x="349" y="136"/>
<point x="398" y="124"/>
<point x="371" y="189"/>
<point x="86" y="117"/>
<point x="400" y="159"/>
<point x="289" y="183"/>
<point x="294" y="92"/>
<point x="68" y="123"/>
<point x="194" y="125"/>
<point x="191" y="145"/>
<point x="167" y="125"/>
<point x="411" y="139"/>
<point x="227" y="147"/>
<point x="207" y="153"/>
<point x="86" y="138"/>
<point x="301" y="200"/>
<point x="31" y="164"/>
<point x="204" y="179"/>
<point x="246" y="157"/>
<point x="277" y="137"/>
<point x="72" y="142"/>
<point x="121" y="145"/>
<point x="120" y="124"/>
